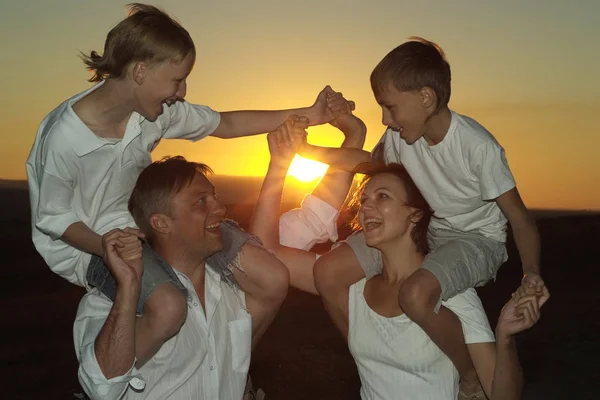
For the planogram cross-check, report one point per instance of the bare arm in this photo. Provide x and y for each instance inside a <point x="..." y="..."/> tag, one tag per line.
<point x="345" y="158"/>
<point x="524" y="229"/>
<point x="115" y="344"/>
<point x="80" y="236"/>
<point x="247" y="123"/>
<point x="498" y="365"/>
<point x="265" y="219"/>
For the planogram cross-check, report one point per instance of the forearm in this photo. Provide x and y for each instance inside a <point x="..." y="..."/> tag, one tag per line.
<point x="248" y="123"/>
<point x="508" y="375"/>
<point x="345" y="158"/>
<point x="265" y="219"/>
<point x="115" y="344"/>
<point x="527" y="239"/>
<point x="80" y="236"/>
<point x="334" y="186"/>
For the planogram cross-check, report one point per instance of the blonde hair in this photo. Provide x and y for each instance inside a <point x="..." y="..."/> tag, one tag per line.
<point x="148" y="35"/>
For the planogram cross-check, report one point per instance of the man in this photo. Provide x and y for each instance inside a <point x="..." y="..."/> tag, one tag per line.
<point x="174" y="205"/>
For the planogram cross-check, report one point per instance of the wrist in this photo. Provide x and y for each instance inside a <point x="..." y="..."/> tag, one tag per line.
<point x="504" y="338"/>
<point x="279" y="166"/>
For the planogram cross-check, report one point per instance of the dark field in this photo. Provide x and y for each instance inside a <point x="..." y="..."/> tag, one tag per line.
<point x="302" y="356"/>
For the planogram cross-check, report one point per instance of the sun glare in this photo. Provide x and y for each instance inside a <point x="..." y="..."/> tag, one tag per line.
<point x="306" y="170"/>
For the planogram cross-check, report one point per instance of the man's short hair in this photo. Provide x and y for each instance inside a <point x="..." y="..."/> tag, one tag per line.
<point x="157" y="185"/>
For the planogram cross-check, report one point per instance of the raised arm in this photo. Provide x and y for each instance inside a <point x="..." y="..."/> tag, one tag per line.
<point x="105" y="343"/>
<point x="246" y="123"/>
<point x="265" y="220"/>
<point x="498" y="365"/>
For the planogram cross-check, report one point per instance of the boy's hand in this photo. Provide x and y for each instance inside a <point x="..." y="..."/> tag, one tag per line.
<point x="532" y="283"/>
<point x="343" y="119"/>
<point x="285" y="141"/>
<point x="321" y="113"/>
<point x="126" y="272"/>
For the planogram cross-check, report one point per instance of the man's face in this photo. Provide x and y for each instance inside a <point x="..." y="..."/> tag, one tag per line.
<point x="196" y="216"/>
<point x="164" y="83"/>
<point x="403" y="112"/>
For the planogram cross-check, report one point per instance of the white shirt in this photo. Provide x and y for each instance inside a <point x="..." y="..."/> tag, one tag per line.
<point x="458" y="176"/>
<point x="314" y="222"/>
<point x="397" y="360"/>
<point x="208" y="359"/>
<point x="74" y="175"/>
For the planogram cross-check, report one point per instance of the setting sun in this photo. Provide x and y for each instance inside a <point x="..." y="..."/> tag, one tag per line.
<point x="306" y="170"/>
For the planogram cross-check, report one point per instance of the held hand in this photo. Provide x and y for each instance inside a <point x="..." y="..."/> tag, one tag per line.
<point x="132" y="247"/>
<point x="125" y="272"/>
<point x="285" y="141"/>
<point x="532" y="283"/>
<point x="321" y="111"/>
<point x="518" y="314"/>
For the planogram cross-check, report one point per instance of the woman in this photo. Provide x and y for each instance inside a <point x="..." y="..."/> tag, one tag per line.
<point x="395" y="358"/>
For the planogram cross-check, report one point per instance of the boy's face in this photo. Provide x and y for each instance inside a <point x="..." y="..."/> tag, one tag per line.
<point x="404" y="112"/>
<point x="164" y="83"/>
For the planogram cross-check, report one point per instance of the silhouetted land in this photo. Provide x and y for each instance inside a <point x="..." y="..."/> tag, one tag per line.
<point x="302" y="356"/>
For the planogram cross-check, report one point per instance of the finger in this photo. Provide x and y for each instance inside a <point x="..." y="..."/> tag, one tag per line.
<point x="134" y="231"/>
<point x="531" y="304"/>
<point x="526" y="319"/>
<point x="544" y="297"/>
<point x="302" y="121"/>
<point x="286" y="132"/>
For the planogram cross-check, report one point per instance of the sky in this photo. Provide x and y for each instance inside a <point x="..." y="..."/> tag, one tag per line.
<point x="527" y="71"/>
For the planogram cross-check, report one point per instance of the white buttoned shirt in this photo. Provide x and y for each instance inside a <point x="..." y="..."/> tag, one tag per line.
<point x="208" y="359"/>
<point x="74" y="175"/>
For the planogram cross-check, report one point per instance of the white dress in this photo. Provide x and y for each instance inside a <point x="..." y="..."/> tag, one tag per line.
<point x="397" y="360"/>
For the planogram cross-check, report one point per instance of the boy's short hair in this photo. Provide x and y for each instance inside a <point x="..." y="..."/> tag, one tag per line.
<point x="414" y="65"/>
<point x="157" y="185"/>
<point x="147" y="34"/>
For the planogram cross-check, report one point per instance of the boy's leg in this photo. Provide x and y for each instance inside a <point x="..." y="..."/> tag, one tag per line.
<point x="458" y="261"/>
<point x="162" y="306"/>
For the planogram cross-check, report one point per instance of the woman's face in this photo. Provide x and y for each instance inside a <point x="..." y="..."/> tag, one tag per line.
<point x="383" y="214"/>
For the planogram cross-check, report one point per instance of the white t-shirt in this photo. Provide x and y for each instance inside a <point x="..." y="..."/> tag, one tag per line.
<point x="459" y="177"/>
<point x="74" y="175"/>
<point x="397" y="360"/>
<point x="207" y="359"/>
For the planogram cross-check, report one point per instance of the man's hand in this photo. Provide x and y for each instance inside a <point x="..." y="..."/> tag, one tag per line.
<point x="284" y="142"/>
<point x="320" y="111"/>
<point x="125" y="272"/>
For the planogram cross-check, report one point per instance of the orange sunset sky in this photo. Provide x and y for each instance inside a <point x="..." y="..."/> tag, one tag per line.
<point x="528" y="71"/>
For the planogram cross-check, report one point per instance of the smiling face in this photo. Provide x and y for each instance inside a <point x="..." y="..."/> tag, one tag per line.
<point x="195" y="217"/>
<point x="406" y="112"/>
<point x="383" y="213"/>
<point x="163" y="83"/>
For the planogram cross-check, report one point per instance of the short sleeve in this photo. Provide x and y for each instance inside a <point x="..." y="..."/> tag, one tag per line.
<point x="189" y="121"/>
<point x="491" y="168"/>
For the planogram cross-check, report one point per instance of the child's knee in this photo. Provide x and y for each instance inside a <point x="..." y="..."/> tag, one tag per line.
<point x="279" y="282"/>
<point x="166" y="310"/>
<point x="419" y="295"/>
